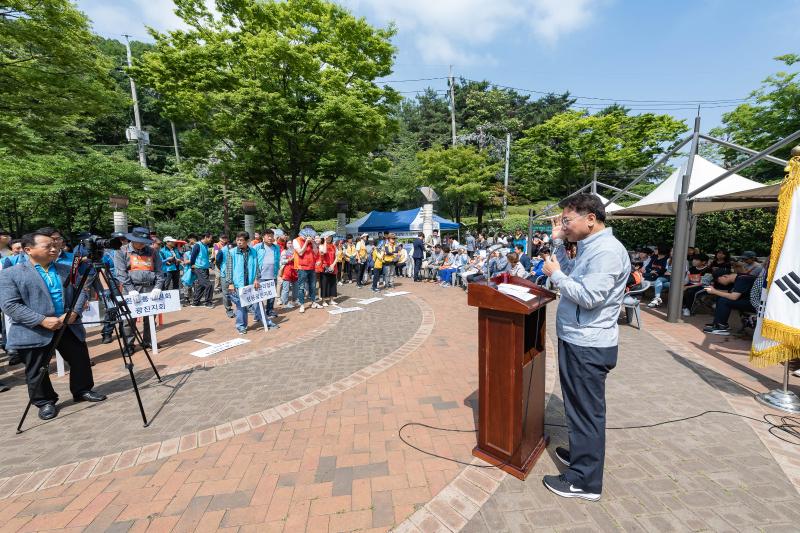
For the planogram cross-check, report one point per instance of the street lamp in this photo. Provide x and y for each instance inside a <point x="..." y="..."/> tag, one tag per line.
<point x="249" y="208"/>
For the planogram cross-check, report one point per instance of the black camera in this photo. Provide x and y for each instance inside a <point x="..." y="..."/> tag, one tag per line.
<point x="95" y="246"/>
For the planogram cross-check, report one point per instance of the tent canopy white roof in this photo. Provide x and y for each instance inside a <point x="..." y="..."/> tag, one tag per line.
<point x="610" y="208"/>
<point x="663" y="201"/>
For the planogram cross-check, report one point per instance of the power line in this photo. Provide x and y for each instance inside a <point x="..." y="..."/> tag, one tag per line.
<point x="408" y="81"/>
<point x="614" y="99"/>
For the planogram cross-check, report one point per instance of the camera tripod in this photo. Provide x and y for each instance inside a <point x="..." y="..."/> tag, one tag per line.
<point x="118" y="313"/>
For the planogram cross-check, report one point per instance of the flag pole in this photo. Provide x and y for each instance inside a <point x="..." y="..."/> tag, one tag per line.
<point x="782" y="399"/>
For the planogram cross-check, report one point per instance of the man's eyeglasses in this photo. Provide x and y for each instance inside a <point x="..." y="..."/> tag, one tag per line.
<point x="565" y="221"/>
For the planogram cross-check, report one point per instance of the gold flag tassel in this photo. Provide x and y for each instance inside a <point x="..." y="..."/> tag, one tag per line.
<point x="775" y="342"/>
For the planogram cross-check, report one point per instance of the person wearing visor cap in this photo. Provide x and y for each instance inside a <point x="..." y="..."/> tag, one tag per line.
<point x="138" y="269"/>
<point x="170" y="263"/>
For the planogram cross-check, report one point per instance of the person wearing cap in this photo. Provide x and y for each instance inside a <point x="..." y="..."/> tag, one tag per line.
<point x="170" y="264"/>
<point x="749" y="264"/>
<point x="362" y="258"/>
<point x="200" y="263"/>
<point x="138" y="269"/>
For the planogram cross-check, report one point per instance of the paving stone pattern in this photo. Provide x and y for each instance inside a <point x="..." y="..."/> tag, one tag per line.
<point x="200" y="398"/>
<point x="707" y="474"/>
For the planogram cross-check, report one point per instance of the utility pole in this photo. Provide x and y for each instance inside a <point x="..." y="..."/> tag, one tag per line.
<point x="505" y="179"/>
<point x="136" y="117"/>
<point x="175" y="143"/>
<point x="452" y="105"/>
<point x="141" y="136"/>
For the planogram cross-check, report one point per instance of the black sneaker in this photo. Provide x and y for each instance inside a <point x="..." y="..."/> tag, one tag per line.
<point x="720" y="329"/>
<point x="562" y="454"/>
<point x="559" y="485"/>
<point x="107" y="340"/>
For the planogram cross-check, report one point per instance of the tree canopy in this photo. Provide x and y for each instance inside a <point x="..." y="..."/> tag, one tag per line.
<point x="53" y="76"/>
<point x="288" y="89"/>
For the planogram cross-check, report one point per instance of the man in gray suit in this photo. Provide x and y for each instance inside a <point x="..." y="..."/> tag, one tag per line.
<point x="35" y="295"/>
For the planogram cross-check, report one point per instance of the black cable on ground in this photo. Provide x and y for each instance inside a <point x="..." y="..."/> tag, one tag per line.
<point x="789" y="425"/>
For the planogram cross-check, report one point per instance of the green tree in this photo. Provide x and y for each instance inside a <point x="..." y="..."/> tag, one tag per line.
<point x="288" y="87"/>
<point x="53" y="77"/>
<point x="559" y="156"/>
<point x="68" y="190"/>
<point x="461" y="175"/>
<point x="773" y="114"/>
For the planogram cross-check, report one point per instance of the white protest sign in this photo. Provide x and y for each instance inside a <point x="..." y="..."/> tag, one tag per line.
<point x="340" y="310"/>
<point x="216" y="348"/>
<point x="168" y="302"/>
<point x="249" y="295"/>
<point x="395" y="293"/>
<point x="91" y="315"/>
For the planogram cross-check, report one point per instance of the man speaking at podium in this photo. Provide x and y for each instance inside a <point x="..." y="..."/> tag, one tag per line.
<point x="591" y="286"/>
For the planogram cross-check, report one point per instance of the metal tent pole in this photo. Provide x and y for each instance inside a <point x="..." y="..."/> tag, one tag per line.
<point x="746" y="163"/>
<point x="743" y="149"/>
<point x="649" y="169"/>
<point x="681" y="241"/>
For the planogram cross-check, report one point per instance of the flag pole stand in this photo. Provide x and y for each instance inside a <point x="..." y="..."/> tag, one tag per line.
<point x="781" y="399"/>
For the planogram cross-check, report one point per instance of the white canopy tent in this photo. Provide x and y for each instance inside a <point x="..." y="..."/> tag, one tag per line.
<point x="764" y="196"/>
<point x="610" y="208"/>
<point x="663" y="201"/>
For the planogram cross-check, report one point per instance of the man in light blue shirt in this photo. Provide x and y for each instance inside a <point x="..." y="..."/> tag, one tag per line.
<point x="592" y="286"/>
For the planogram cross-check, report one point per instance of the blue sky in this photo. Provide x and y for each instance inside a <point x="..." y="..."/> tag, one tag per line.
<point x="680" y="50"/>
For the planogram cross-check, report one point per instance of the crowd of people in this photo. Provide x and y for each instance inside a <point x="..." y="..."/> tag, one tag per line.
<point x="724" y="283"/>
<point x="307" y="268"/>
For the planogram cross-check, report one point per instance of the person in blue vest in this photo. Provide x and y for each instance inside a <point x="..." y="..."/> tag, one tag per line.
<point x="241" y="268"/>
<point x="200" y="263"/>
<point x="108" y="260"/>
<point x="269" y="255"/>
<point x="17" y="254"/>
<point x="64" y="257"/>
<point x="170" y="264"/>
<point x="225" y="246"/>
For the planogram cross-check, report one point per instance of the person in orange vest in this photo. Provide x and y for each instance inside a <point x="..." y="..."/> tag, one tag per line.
<point x="137" y="267"/>
<point x="306" y="254"/>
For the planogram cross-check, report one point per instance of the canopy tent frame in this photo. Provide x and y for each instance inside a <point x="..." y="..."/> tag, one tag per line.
<point x="684" y="219"/>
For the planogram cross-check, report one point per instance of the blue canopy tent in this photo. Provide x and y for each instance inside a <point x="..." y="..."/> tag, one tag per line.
<point x="400" y="222"/>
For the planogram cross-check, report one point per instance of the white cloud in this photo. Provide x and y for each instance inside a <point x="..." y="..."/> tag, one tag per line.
<point x="453" y="31"/>
<point x="112" y="19"/>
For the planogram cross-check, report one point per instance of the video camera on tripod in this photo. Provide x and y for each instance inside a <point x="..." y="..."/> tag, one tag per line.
<point x="117" y="310"/>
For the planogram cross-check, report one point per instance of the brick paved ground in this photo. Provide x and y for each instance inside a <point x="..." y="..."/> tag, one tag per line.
<point x="338" y="465"/>
<point x="199" y="398"/>
<point x="712" y="474"/>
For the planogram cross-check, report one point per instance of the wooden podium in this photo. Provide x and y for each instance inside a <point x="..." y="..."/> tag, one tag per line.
<point x="511" y="350"/>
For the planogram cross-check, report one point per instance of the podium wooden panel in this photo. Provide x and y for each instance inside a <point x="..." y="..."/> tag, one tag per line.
<point x="511" y="353"/>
